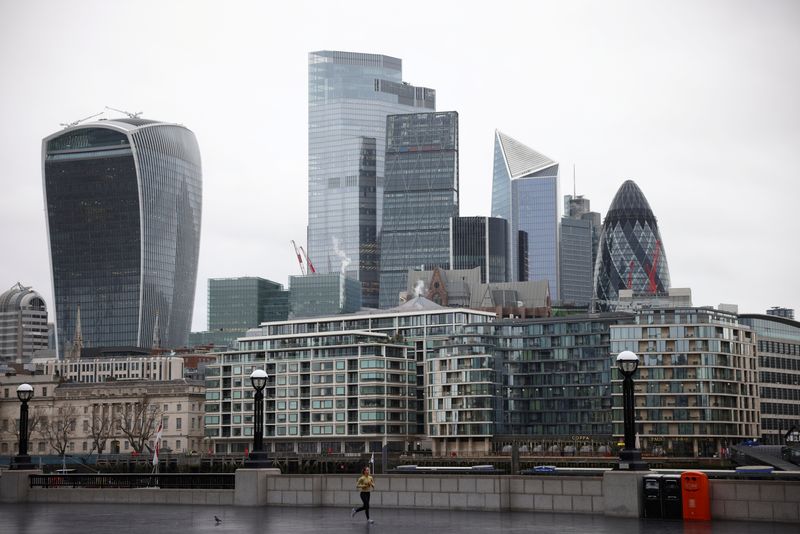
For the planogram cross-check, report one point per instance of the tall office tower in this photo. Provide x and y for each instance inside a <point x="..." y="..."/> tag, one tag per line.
<point x="480" y="242"/>
<point x="349" y="98"/>
<point x="23" y="324"/>
<point x="420" y="197"/>
<point x="123" y="200"/>
<point x="630" y="254"/>
<point x="525" y="193"/>
<point x="580" y="230"/>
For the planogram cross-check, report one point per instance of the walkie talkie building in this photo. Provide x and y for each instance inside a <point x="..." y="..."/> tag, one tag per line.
<point x="123" y="207"/>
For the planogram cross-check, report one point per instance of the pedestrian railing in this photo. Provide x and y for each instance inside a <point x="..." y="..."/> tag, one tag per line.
<point x="137" y="480"/>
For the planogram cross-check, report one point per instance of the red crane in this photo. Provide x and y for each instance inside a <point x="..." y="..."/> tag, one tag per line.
<point x="299" y="259"/>
<point x="311" y="269"/>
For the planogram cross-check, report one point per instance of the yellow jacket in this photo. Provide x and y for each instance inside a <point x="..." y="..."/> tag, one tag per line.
<point x="365" y="483"/>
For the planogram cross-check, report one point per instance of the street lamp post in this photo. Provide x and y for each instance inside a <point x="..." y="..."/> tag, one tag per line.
<point x="23" y="460"/>
<point x="258" y="458"/>
<point x="630" y="458"/>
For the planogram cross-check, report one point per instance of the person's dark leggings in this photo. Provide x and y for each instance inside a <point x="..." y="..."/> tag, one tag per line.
<point x="365" y="500"/>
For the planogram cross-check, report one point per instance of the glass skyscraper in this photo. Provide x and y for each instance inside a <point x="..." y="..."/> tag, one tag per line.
<point x="525" y="193"/>
<point x="480" y="242"/>
<point x="580" y="233"/>
<point x="349" y="98"/>
<point x="630" y="253"/>
<point x="420" y="197"/>
<point x="123" y="204"/>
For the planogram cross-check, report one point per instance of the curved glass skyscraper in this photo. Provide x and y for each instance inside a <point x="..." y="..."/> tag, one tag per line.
<point x="123" y="200"/>
<point x="630" y="254"/>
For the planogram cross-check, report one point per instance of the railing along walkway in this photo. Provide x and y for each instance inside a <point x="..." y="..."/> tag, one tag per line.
<point x="136" y="480"/>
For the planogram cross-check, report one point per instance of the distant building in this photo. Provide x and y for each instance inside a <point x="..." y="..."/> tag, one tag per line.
<point x="103" y="413"/>
<point x="420" y="196"/>
<point x="631" y="253"/>
<point x="779" y="374"/>
<point x="525" y="193"/>
<point x="580" y="233"/>
<point x="777" y="311"/>
<point x="319" y="295"/>
<point x="123" y="204"/>
<point x="116" y="364"/>
<point x="480" y="242"/>
<point x="23" y="324"/>
<point x="463" y="289"/>
<point x="236" y="304"/>
<point x="349" y="97"/>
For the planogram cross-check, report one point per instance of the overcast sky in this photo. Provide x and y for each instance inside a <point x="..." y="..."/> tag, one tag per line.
<point x="696" y="101"/>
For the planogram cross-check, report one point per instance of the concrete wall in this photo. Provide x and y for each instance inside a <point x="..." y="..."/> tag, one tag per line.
<point x="131" y="496"/>
<point x="755" y="500"/>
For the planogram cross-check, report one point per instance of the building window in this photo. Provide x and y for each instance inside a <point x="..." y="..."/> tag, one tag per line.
<point x="178" y="423"/>
<point x="177" y="444"/>
<point x="178" y="408"/>
<point x="85" y="446"/>
<point x="44" y="392"/>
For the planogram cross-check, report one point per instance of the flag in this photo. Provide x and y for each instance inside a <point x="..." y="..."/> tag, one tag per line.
<point x="158" y="443"/>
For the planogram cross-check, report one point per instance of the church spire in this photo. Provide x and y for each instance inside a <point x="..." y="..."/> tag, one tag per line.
<point x="156" y="334"/>
<point x="77" y="341"/>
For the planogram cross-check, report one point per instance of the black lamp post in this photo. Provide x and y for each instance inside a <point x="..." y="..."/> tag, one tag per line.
<point x="258" y="458"/>
<point x="23" y="460"/>
<point x="630" y="458"/>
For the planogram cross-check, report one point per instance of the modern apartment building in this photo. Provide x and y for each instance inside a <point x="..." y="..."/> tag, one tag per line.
<point x="349" y="97"/>
<point x="123" y="207"/>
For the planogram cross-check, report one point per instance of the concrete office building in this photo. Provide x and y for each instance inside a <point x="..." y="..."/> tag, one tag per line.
<point x="23" y="324"/>
<point x="123" y="206"/>
<point x="779" y="374"/>
<point x="631" y="252"/>
<point x="579" y="237"/>
<point x="777" y="311"/>
<point x="525" y="193"/>
<point x="480" y="242"/>
<point x="420" y="197"/>
<point x="349" y="97"/>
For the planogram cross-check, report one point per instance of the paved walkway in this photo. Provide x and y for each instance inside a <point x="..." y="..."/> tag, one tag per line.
<point x="172" y="519"/>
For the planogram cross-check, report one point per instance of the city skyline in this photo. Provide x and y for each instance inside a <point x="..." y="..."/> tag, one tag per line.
<point x="694" y="102"/>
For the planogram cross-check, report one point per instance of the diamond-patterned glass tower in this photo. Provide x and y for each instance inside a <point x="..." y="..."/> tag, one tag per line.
<point x="630" y="253"/>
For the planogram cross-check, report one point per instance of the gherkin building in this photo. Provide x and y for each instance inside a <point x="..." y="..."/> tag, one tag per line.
<point x="631" y="253"/>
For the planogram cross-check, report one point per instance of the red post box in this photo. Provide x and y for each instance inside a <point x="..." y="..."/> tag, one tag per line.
<point x="696" y="497"/>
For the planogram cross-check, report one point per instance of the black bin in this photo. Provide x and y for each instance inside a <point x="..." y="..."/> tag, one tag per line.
<point x="652" y="497"/>
<point x="671" y="499"/>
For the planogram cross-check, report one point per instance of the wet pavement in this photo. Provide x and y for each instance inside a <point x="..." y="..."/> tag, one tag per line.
<point x="180" y="519"/>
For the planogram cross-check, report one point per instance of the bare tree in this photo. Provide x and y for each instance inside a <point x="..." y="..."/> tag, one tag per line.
<point x="101" y="426"/>
<point x="138" y="422"/>
<point x="60" y="427"/>
<point x="36" y="419"/>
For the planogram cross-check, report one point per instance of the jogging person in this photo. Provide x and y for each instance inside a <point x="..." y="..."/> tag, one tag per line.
<point x="365" y="484"/>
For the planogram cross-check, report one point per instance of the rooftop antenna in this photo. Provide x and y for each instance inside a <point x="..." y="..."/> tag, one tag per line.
<point x="574" y="189"/>
<point x="128" y="113"/>
<point x="77" y="122"/>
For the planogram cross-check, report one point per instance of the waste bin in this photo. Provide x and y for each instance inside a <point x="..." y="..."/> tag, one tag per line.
<point x="671" y="497"/>
<point x="696" y="498"/>
<point x="652" y="496"/>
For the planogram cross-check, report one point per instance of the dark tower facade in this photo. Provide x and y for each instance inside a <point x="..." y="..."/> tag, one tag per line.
<point x="480" y="242"/>
<point x="630" y="252"/>
<point x="123" y="205"/>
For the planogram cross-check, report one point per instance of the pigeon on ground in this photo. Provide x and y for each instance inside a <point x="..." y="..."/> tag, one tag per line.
<point x="217" y="519"/>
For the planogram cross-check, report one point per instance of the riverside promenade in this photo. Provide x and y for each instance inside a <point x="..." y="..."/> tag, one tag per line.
<point x="39" y="518"/>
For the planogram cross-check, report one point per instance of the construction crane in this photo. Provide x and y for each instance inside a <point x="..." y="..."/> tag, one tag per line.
<point x="299" y="258"/>
<point x="311" y="269"/>
<point x="77" y="122"/>
<point x="128" y="113"/>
